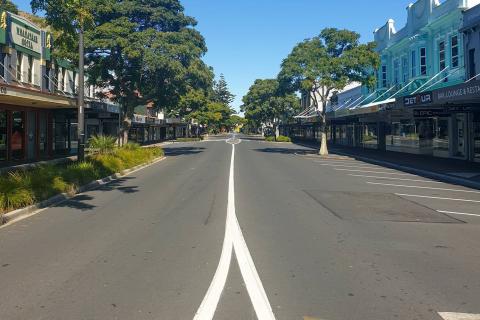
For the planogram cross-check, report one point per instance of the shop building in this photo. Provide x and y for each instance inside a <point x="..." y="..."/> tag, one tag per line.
<point x="38" y="107"/>
<point x="426" y="100"/>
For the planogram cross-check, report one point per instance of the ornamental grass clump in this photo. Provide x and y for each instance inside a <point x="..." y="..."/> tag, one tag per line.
<point x="102" y="144"/>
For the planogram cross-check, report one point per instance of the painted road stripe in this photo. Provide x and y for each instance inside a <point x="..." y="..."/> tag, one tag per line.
<point x="459" y="316"/>
<point x="350" y="166"/>
<point x="235" y="242"/>
<point x="439" y="198"/>
<point x="392" y="178"/>
<point x="421" y="187"/>
<point x="459" y="213"/>
<point x="380" y="172"/>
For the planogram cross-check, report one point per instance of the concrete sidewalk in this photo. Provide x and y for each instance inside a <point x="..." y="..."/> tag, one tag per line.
<point x="450" y="170"/>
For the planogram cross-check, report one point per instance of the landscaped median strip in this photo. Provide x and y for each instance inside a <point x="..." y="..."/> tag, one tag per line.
<point x="73" y="179"/>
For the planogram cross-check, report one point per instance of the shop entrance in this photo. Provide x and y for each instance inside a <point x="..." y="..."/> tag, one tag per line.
<point x="460" y="142"/>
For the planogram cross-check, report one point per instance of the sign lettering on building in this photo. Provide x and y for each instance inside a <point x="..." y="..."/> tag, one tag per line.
<point x="422" y="98"/>
<point x="25" y="36"/>
<point x="459" y="92"/>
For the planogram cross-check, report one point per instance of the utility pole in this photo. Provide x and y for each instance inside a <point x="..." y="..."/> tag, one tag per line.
<point x="81" y="95"/>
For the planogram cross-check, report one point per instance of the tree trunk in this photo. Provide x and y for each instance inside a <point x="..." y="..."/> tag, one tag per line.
<point x="323" y="134"/>
<point x="126" y="124"/>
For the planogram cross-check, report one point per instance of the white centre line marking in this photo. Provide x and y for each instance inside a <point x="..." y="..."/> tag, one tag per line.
<point x="459" y="213"/>
<point x="439" y="198"/>
<point x="392" y="178"/>
<point x="459" y="316"/>
<point x="235" y="242"/>
<point x="421" y="187"/>
<point x="380" y="172"/>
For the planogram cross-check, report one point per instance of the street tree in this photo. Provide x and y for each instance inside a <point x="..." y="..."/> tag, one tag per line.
<point x="221" y="92"/>
<point x="327" y="63"/>
<point x="8" y="5"/>
<point x="144" y="52"/>
<point x="267" y="103"/>
<point x="214" y="116"/>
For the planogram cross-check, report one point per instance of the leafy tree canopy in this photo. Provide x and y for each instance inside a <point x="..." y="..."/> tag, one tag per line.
<point x="8" y="5"/>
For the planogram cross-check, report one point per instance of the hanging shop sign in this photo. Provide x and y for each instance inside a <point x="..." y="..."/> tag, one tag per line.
<point x="419" y="99"/>
<point x="3" y="90"/>
<point x="137" y="118"/>
<point x="26" y="36"/>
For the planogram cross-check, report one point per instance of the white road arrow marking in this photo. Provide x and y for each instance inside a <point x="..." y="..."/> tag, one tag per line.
<point x="234" y="241"/>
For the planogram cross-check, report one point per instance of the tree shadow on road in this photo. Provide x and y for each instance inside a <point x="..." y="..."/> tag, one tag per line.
<point x="287" y="151"/>
<point x="182" y="151"/>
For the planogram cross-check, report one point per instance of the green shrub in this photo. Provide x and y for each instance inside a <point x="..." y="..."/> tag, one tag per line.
<point x="14" y="191"/>
<point x="279" y="139"/>
<point x="22" y="188"/>
<point x="131" y="146"/>
<point x="188" y="139"/>
<point x="102" y="144"/>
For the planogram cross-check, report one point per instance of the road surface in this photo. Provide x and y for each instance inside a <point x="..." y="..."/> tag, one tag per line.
<point x="278" y="233"/>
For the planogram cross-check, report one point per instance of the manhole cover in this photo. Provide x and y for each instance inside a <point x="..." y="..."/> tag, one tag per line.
<point x="377" y="207"/>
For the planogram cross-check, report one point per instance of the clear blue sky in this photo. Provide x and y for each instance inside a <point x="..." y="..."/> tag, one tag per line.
<point x="247" y="39"/>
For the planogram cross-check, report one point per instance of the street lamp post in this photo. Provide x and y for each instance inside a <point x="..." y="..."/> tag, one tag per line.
<point x="81" y="95"/>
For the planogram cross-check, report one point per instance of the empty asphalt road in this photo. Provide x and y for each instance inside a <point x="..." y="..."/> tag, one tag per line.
<point x="273" y="233"/>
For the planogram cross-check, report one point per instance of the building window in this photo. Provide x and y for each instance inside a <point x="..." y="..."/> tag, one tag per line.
<point x="441" y="55"/>
<point x="19" y="65"/>
<point x="30" y="69"/>
<point x="396" y="71"/>
<point x="454" y="51"/>
<point x="48" y="68"/>
<point x="404" y="69"/>
<point x="72" y="83"/>
<point x="423" y="61"/>
<point x="414" y="64"/>
<point x="471" y="64"/>
<point x="64" y="74"/>
<point x="384" y="76"/>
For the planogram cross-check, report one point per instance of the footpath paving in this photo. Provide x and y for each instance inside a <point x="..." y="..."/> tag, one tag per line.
<point x="452" y="170"/>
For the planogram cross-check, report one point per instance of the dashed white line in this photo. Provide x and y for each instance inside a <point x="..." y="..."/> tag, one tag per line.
<point x="380" y="172"/>
<point x="421" y="187"/>
<point x="347" y="166"/>
<point x="438" y="198"/>
<point x="392" y="178"/>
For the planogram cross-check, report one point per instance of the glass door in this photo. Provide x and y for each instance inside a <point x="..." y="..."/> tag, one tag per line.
<point x="31" y="135"/>
<point x="461" y="145"/>
<point x="17" y="143"/>
<point x="42" y="134"/>
<point x="3" y="135"/>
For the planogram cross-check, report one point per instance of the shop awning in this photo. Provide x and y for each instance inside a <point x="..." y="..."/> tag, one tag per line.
<point x="26" y="97"/>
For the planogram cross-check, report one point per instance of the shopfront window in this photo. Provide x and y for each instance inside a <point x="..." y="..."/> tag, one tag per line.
<point x="3" y="135"/>
<point x="370" y="136"/>
<point x="43" y="134"/>
<point x="18" y="135"/>
<point x="410" y="135"/>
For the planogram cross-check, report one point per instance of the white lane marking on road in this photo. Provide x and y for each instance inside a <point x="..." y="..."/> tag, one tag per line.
<point x="392" y="178"/>
<point x="459" y="213"/>
<point x="380" y="172"/>
<point x="439" y="198"/>
<point x="422" y="187"/>
<point x="234" y="241"/>
<point x="459" y="316"/>
<point x="348" y="166"/>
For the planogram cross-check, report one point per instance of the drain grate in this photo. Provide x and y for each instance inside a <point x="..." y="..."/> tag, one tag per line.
<point x="369" y="206"/>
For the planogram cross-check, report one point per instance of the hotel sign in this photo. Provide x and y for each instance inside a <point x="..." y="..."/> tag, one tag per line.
<point x="419" y="99"/>
<point x="26" y="36"/>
